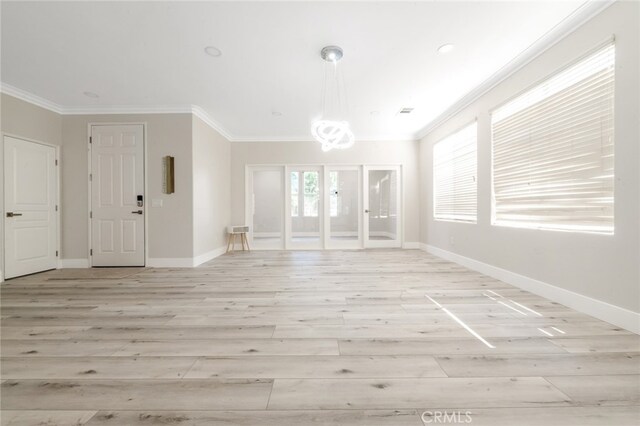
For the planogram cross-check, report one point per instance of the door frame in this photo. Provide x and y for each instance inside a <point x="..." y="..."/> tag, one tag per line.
<point x="147" y="204"/>
<point x="57" y="198"/>
<point x="248" y="201"/>
<point x="398" y="242"/>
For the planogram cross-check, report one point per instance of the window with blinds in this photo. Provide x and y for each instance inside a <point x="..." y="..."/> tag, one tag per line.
<point x="553" y="151"/>
<point x="455" y="162"/>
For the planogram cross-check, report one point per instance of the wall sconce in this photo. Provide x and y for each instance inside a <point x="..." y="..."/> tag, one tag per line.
<point x="168" y="175"/>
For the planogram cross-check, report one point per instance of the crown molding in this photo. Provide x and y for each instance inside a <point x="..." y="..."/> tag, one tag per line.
<point x="579" y="17"/>
<point x="30" y="98"/>
<point x="127" y="109"/>
<point x="391" y="138"/>
<point x="204" y="116"/>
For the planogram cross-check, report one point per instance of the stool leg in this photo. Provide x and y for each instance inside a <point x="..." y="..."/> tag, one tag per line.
<point x="247" y="241"/>
<point x="228" y="242"/>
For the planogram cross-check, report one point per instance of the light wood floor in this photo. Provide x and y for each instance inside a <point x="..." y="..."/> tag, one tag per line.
<point x="300" y="338"/>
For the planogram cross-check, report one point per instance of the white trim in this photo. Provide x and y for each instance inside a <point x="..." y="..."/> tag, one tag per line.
<point x="568" y="25"/>
<point x="205" y="257"/>
<point x="36" y="100"/>
<point x="613" y="314"/>
<point x="74" y="263"/>
<point x="206" y="117"/>
<point x="170" y="262"/>
<point x="411" y="245"/>
<point x="308" y="138"/>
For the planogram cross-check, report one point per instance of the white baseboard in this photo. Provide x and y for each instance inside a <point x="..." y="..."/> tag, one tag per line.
<point x="74" y="263"/>
<point x="170" y="262"/>
<point x="612" y="314"/>
<point x="205" y="257"/>
<point x="185" y="262"/>
<point x="411" y="245"/>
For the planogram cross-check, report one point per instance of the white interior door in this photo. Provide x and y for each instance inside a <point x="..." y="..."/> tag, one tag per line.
<point x="382" y="206"/>
<point x="117" y="195"/>
<point x="30" y="191"/>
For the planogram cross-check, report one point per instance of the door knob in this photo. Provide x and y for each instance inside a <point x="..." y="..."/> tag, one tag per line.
<point x="137" y="212"/>
<point x="366" y="211"/>
<point x="12" y="214"/>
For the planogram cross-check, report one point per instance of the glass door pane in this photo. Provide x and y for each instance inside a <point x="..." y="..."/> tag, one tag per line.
<point x="344" y="207"/>
<point x="305" y="201"/>
<point x="267" y="208"/>
<point x="383" y="207"/>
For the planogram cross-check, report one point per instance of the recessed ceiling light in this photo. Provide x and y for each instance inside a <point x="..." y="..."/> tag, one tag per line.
<point x="91" y="95"/>
<point x="276" y="113"/>
<point x="375" y="113"/>
<point x="213" y="51"/>
<point x="445" y="48"/>
<point x="406" y="110"/>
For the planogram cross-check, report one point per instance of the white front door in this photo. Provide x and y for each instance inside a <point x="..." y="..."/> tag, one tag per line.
<point x="30" y="193"/>
<point x="117" y="195"/>
<point x="382" y="206"/>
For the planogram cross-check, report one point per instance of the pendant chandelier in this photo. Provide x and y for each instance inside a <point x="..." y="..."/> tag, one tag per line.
<point x="332" y="130"/>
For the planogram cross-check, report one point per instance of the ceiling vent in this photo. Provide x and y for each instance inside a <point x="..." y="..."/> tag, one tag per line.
<point x="406" y="110"/>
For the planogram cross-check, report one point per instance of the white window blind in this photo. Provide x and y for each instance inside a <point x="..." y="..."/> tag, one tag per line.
<point x="553" y="151"/>
<point x="454" y="176"/>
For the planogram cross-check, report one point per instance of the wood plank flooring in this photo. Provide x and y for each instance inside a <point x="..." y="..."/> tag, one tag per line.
<point x="306" y="338"/>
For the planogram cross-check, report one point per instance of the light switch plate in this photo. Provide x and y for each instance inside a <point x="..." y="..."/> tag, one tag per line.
<point x="156" y="202"/>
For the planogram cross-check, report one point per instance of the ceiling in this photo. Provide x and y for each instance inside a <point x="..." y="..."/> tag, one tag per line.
<point x="267" y="84"/>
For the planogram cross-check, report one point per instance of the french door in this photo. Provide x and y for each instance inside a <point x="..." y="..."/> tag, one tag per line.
<point x="317" y="207"/>
<point x="265" y="206"/>
<point x="304" y="207"/>
<point x="343" y="212"/>
<point x="382" y="206"/>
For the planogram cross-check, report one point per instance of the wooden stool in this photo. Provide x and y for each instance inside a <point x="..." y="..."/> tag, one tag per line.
<point x="232" y="231"/>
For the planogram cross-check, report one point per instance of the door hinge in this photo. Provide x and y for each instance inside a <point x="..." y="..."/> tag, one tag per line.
<point x="90" y="252"/>
<point x="90" y="215"/>
<point x="90" y="177"/>
<point x="56" y="207"/>
<point x="90" y="139"/>
<point x="56" y="162"/>
<point x="56" y="253"/>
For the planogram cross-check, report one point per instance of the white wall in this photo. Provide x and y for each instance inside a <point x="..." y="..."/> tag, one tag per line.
<point x="308" y="153"/>
<point x="170" y="228"/>
<point x="602" y="267"/>
<point x="211" y="186"/>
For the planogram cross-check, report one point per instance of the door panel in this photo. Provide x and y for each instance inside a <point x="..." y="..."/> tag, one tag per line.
<point x="30" y="205"/>
<point x="343" y="212"/>
<point x="304" y="218"/>
<point x="266" y="204"/>
<point x="117" y="224"/>
<point x="382" y="207"/>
